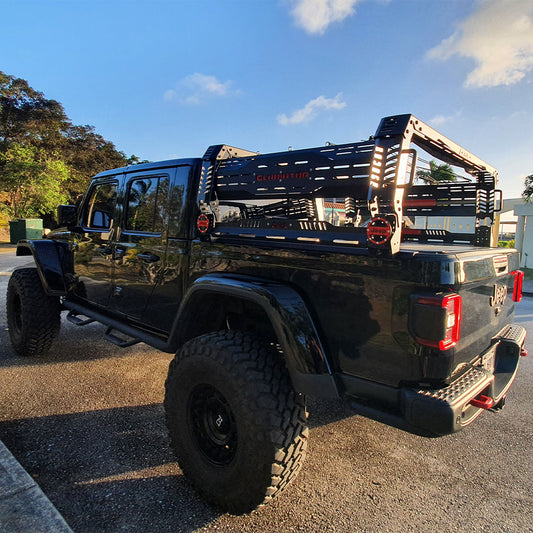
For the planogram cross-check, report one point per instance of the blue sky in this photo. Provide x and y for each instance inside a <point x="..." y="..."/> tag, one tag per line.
<point x="164" y="79"/>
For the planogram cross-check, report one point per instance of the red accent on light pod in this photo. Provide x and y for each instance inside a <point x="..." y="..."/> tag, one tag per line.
<point x="420" y="203"/>
<point x="524" y="352"/>
<point x="409" y="231"/>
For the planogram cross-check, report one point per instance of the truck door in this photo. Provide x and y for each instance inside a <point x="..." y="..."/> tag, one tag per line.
<point x="93" y="255"/>
<point x="140" y="246"/>
<point x="167" y="294"/>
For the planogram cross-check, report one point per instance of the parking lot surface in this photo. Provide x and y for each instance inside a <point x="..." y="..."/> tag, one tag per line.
<point x="86" y="422"/>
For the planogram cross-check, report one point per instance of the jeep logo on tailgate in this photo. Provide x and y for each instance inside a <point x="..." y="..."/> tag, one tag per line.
<point x="498" y="296"/>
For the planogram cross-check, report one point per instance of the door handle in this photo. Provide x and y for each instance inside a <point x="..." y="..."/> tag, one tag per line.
<point x="148" y="257"/>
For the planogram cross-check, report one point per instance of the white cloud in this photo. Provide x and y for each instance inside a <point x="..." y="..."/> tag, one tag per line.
<point x="311" y="110"/>
<point x="196" y="88"/>
<point x="499" y="37"/>
<point x="439" y="120"/>
<point x="314" y="16"/>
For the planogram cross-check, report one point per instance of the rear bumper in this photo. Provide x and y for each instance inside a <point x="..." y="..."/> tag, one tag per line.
<point x="437" y="412"/>
<point x="448" y="410"/>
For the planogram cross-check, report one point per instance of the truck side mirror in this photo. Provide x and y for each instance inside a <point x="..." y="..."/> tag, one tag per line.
<point x="67" y="215"/>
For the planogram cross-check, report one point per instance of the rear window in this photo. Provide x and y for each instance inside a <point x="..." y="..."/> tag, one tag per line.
<point x="147" y="204"/>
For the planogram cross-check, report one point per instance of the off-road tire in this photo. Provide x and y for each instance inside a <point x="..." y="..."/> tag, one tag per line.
<point x="33" y="317"/>
<point x="241" y="385"/>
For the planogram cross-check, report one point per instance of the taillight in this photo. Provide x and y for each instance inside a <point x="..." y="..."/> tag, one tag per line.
<point x="518" y="282"/>
<point x="436" y="320"/>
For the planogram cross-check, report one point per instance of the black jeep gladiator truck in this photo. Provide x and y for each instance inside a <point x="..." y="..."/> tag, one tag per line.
<point x="276" y="276"/>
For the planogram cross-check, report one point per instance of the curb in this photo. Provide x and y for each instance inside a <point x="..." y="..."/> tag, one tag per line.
<point x="23" y="505"/>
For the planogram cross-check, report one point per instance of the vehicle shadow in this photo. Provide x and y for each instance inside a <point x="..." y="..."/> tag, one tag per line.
<point x="108" y="470"/>
<point x="327" y="411"/>
<point x="113" y="469"/>
<point x="164" y="503"/>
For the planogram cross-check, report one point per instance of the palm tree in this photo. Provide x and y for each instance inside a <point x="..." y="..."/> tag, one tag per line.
<point x="527" y="195"/>
<point x="437" y="173"/>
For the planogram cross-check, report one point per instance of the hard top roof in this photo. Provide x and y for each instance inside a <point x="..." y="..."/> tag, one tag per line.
<point x="142" y="167"/>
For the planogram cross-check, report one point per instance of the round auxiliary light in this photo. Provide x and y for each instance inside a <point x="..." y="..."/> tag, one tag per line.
<point x="379" y="231"/>
<point x="203" y="224"/>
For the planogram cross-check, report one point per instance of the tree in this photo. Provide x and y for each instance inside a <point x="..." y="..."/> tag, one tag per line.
<point x="528" y="188"/>
<point x="26" y="116"/>
<point x="43" y="156"/>
<point x="88" y="153"/>
<point x="437" y="173"/>
<point x="33" y="181"/>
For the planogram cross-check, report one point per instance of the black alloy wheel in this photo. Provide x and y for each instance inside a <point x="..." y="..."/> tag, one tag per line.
<point x="213" y="424"/>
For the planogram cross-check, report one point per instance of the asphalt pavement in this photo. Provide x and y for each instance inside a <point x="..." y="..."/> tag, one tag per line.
<point x="25" y="507"/>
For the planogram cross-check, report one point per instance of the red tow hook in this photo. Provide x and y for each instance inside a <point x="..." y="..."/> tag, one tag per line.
<point x="482" y="401"/>
<point x="524" y="351"/>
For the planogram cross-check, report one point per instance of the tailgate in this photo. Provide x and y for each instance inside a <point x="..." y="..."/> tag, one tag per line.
<point x="487" y="282"/>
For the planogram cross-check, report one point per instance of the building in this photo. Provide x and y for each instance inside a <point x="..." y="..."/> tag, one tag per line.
<point x="524" y="232"/>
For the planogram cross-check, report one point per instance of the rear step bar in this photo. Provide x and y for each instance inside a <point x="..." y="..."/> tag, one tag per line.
<point x="451" y="408"/>
<point x="435" y="412"/>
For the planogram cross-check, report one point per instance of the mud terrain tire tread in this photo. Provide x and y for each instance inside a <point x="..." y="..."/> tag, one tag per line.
<point x="33" y="317"/>
<point x="271" y="419"/>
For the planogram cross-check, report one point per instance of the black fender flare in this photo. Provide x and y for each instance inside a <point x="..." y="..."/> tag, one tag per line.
<point x="51" y="258"/>
<point x="293" y="325"/>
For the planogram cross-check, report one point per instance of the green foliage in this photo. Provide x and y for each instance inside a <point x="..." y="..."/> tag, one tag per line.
<point x="33" y="180"/>
<point x="506" y="244"/>
<point x="45" y="159"/>
<point x="26" y="116"/>
<point x="88" y="153"/>
<point x="5" y="215"/>
<point x="436" y="173"/>
<point x="528" y="188"/>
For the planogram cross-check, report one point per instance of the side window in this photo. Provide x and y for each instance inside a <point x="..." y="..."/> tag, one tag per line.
<point x="99" y="209"/>
<point x="176" y="225"/>
<point x="147" y="204"/>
